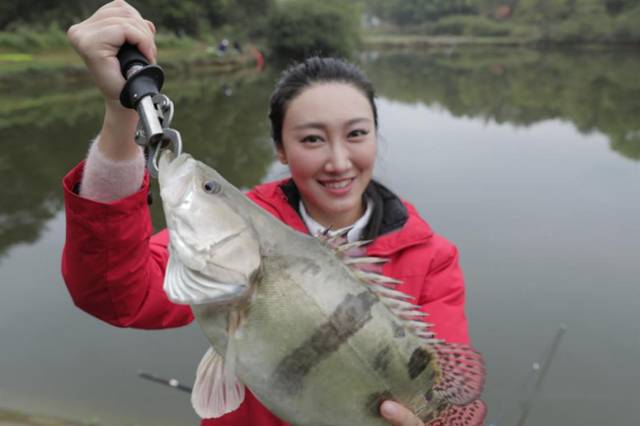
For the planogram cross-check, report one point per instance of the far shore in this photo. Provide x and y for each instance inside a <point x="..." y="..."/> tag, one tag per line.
<point x="398" y="41"/>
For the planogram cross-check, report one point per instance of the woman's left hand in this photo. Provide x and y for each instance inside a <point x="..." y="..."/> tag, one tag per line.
<point x="397" y="415"/>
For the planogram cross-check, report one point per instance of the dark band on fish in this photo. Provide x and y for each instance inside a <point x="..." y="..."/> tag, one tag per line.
<point x="349" y="317"/>
<point x="420" y="359"/>
<point x="398" y="330"/>
<point x="382" y="359"/>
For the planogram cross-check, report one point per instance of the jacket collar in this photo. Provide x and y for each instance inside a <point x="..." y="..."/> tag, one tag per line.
<point x="400" y="226"/>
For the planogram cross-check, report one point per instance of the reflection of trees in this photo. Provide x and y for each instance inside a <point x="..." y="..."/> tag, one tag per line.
<point x="595" y="90"/>
<point x="39" y="143"/>
<point x="44" y="135"/>
<point x="229" y="133"/>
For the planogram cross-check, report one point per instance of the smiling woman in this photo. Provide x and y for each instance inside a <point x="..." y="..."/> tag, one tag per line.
<point x="324" y="125"/>
<point x="331" y="158"/>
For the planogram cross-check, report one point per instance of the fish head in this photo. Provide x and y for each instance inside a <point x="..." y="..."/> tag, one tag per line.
<point x="210" y="234"/>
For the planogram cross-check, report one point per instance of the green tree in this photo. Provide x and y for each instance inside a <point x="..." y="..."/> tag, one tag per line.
<point x="300" y="28"/>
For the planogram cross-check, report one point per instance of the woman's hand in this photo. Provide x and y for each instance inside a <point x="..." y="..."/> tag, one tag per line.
<point x="397" y="415"/>
<point x="98" y="39"/>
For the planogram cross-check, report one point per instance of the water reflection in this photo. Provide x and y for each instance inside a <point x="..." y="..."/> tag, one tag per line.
<point x="596" y="90"/>
<point x="223" y="120"/>
<point x="45" y="135"/>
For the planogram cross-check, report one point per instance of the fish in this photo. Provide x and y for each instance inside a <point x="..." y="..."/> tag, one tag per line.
<point x="316" y="334"/>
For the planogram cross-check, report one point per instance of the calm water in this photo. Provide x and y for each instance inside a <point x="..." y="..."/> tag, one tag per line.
<point x="529" y="161"/>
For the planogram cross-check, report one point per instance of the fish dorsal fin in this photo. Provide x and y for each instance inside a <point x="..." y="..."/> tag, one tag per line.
<point x="461" y="368"/>
<point x="462" y="373"/>
<point x="215" y="392"/>
<point x="368" y="270"/>
<point x="472" y="414"/>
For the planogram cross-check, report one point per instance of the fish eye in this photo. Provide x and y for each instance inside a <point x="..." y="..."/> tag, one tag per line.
<point x="212" y="187"/>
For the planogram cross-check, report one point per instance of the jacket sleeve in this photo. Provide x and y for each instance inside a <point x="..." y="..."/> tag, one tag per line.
<point x="443" y="296"/>
<point x="112" y="266"/>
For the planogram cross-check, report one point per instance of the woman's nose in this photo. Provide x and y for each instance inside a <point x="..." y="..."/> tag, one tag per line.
<point x="339" y="160"/>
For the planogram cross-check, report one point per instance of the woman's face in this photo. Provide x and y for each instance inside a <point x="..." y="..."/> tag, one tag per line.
<point x="329" y="144"/>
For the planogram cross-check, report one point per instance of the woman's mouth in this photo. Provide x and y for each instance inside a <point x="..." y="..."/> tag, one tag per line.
<point x="337" y="186"/>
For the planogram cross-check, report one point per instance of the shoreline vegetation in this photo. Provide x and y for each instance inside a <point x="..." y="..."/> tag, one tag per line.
<point x="391" y="40"/>
<point x="292" y="29"/>
<point x="53" y="55"/>
<point x="20" y="418"/>
<point x="50" y="53"/>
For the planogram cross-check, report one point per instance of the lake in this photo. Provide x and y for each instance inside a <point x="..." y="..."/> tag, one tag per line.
<point x="528" y="160"/>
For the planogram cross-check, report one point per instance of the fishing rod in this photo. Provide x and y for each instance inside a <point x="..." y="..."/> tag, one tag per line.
<point x="173" y="383"/>
<point x="533" y="382"/>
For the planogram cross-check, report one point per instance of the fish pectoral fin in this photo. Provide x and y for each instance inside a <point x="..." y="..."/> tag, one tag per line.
<point x="215" y="392"/>
<point x="472" y="414"/>
<point x="186" y="286"/>
<point x="462" y="373"/>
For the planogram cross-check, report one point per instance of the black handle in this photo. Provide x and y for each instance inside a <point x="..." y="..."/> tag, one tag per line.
<point x="146" y="81"/>
<point x="129" y="56"/>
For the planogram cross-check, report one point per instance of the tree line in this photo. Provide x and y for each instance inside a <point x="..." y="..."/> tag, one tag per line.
<point x="333" y="26"/>
<point x="544" y="20"/>
<point x="287" y="28"/>
<point x="413" y="12"/>
<point x="190" y="17"/>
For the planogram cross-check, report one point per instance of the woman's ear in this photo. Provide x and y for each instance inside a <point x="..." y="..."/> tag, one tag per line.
<point x="282" y="156"/>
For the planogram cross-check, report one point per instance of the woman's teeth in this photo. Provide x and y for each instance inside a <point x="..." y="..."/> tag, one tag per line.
<point x="337" y="184"/>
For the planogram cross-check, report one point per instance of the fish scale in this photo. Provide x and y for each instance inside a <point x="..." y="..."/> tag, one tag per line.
<point x="317" y="340"/>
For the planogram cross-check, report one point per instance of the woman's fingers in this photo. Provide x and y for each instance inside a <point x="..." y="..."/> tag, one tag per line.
<point x="99" y="38"/>
<point x="397" y="415"/>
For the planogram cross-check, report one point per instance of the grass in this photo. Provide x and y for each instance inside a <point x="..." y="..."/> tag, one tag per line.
<point x="15" y="57"/>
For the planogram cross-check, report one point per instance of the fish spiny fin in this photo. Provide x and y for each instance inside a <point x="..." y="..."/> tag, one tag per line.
<point x="374" y="277"/>
<point x="396" y="301"/>
<point x="348" y="248"/>
<point x="213" y="394"/>
<point x="462" y="373"/>
<point x="472" y="414"/>
<point x="365" y="260"/>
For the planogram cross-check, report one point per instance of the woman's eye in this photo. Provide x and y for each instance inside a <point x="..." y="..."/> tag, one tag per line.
<point x="358" y="133"/>
<point x="312" y="139"/>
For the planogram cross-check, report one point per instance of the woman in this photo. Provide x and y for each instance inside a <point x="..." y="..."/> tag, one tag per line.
<point x="324" y="122"/>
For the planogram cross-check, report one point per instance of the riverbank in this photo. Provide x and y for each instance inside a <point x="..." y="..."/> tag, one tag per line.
<point x="65" y="62"/>
<point x="400" y="41"/>
<point x="17" y="418"/>
<point x="406" y="41"/>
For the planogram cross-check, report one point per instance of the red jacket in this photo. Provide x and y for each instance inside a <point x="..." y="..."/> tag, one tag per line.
<point x="114" y="270"/>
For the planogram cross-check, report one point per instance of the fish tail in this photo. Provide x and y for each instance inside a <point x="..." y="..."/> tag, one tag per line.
<point x="471" y="414"/>
<point x="462" y="373"/>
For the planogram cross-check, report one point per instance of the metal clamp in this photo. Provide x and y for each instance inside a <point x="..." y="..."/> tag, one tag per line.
<point x="153" y="132"/>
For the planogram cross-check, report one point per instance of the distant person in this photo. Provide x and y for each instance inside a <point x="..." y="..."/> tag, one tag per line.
<point x="223" y="46"/>
<point x="324" y="124"/>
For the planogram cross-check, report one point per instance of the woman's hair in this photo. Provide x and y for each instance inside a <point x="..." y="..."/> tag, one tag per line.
<point x="314" y="70"/>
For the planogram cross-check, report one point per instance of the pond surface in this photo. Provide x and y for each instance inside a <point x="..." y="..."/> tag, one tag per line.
<point x="529" y="161"/>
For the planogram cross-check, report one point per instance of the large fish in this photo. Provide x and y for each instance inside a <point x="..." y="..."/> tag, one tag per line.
<point x="318" y="338"/>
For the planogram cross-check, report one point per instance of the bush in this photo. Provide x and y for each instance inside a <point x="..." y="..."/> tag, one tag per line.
<point x="302" y="28"/>
<point x="168" y="40"/>
<point x="626" y="28"/>
<point x="469" y="26"/>
<point x="26" y="39"/>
